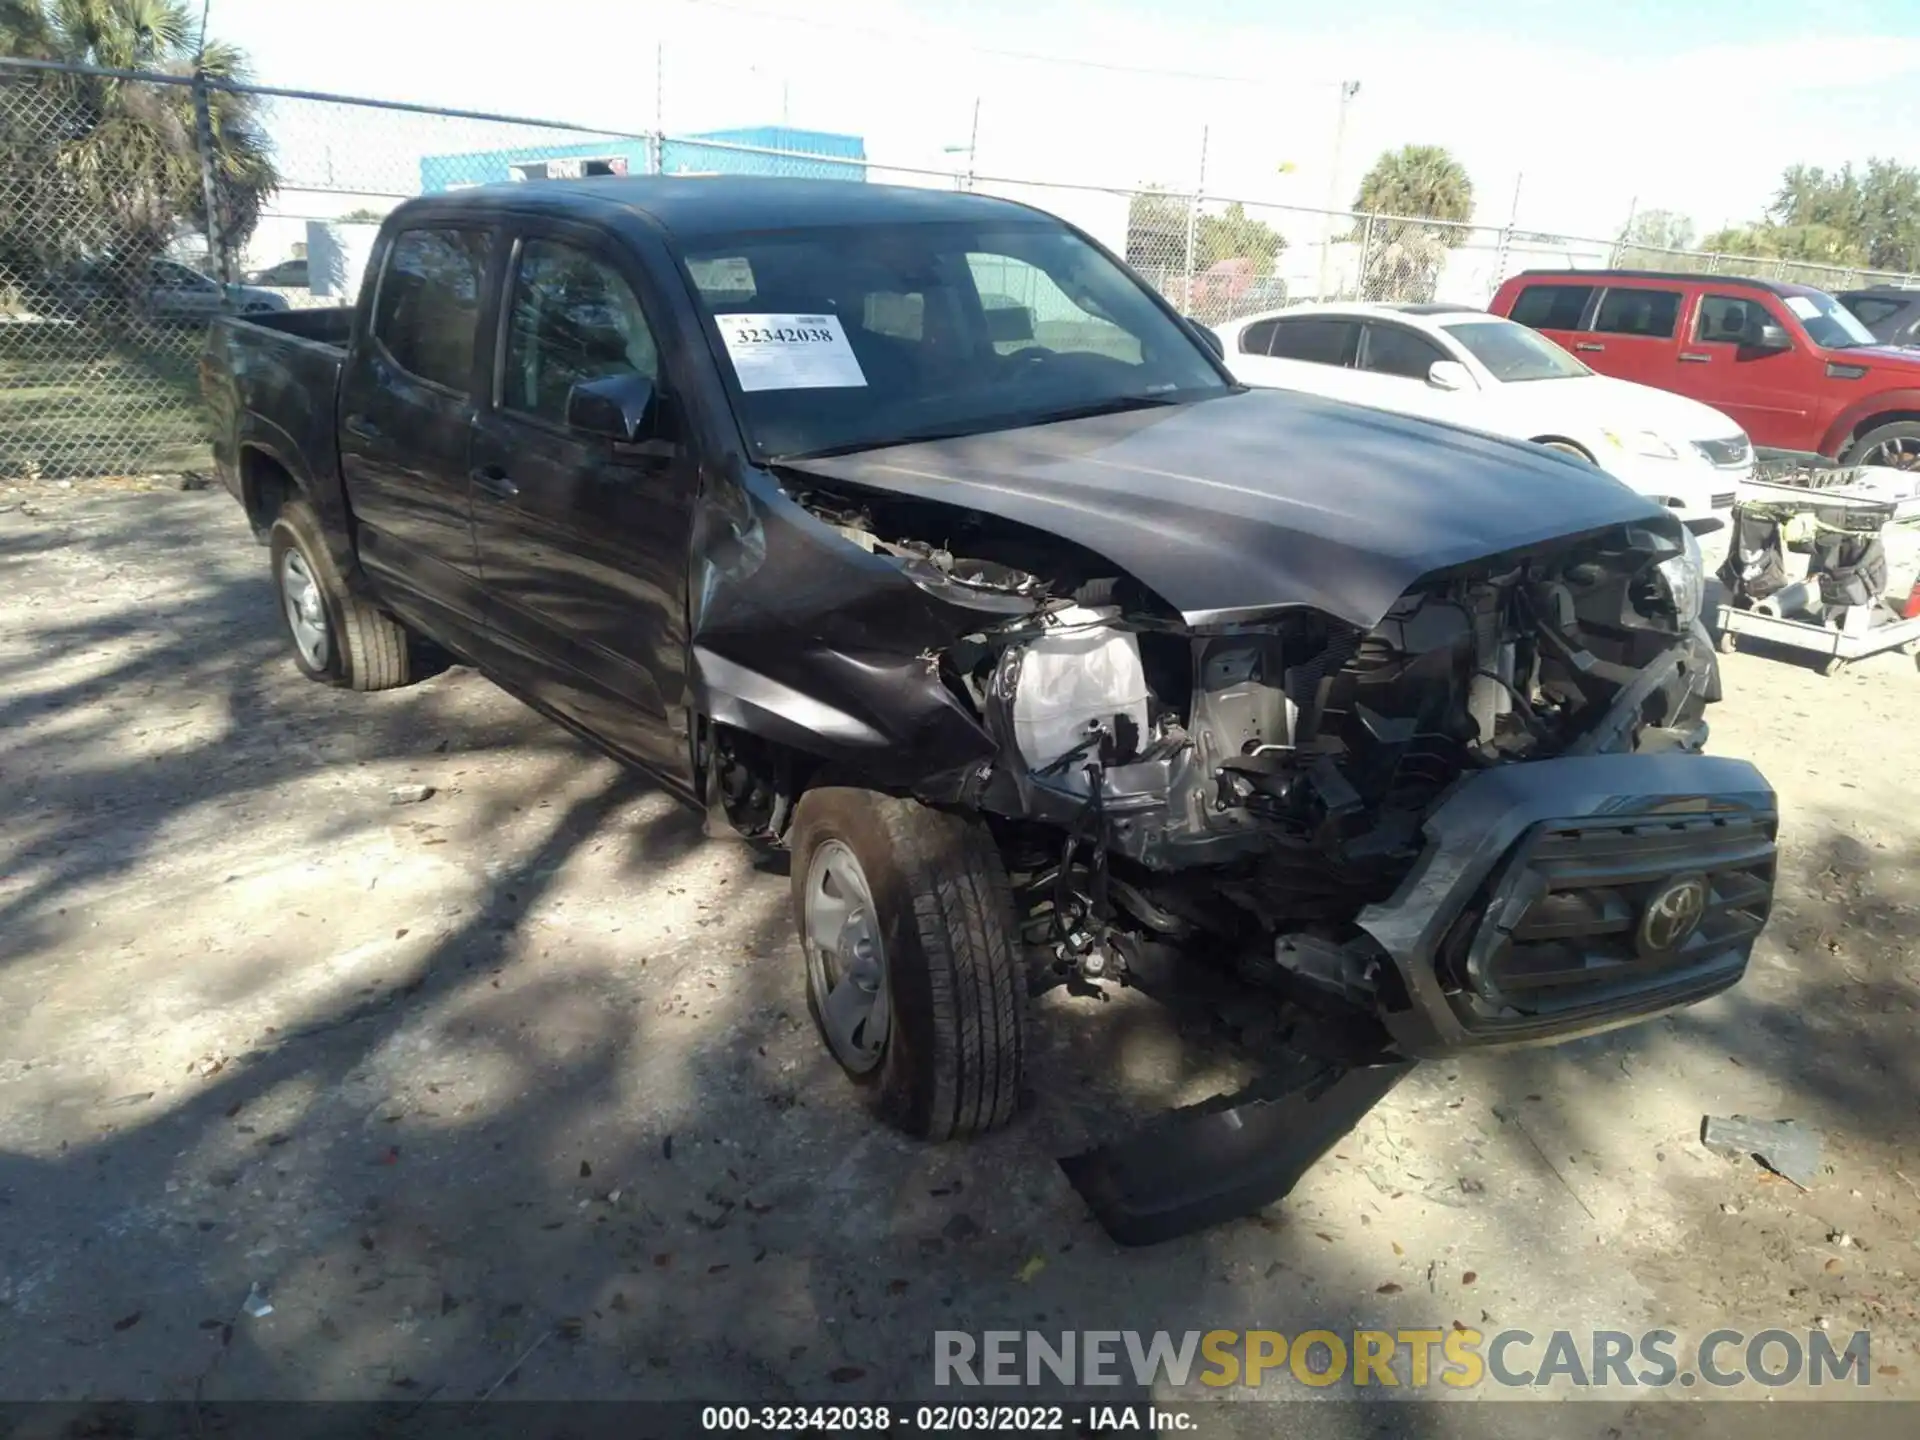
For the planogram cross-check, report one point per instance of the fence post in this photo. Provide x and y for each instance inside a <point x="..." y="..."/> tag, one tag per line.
<point x="1193" y="221"/>
<point x="1501" y="255"/>
<point x="656" y="153"/>
<point x="203" y="142"/>
<point x="1366" y="258"/>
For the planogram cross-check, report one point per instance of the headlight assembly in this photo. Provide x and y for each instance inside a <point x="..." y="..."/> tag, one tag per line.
<point x="1686" y="579"/>
<point x="1642" y="442"/>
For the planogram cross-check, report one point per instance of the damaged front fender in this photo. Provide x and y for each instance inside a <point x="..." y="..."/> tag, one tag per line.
<point x="808" y="639"/>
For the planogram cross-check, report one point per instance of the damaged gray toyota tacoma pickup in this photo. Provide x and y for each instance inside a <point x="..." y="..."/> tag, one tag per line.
<point x="910" y="532"/>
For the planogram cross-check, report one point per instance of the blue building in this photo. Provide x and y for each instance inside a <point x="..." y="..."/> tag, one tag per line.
<point x="704" y="154"/>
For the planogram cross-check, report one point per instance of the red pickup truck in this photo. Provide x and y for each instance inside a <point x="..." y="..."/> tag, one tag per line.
<point x="1792" y="365"/>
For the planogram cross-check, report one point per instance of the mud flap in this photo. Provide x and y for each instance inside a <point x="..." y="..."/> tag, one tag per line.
<point x="1227" y="1157"/>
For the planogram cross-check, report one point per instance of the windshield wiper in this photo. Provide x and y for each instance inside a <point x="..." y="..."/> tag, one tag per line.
<point x="1115" y="406"/>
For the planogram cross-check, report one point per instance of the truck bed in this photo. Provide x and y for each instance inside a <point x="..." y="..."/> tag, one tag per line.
<point x="270" y="381"/>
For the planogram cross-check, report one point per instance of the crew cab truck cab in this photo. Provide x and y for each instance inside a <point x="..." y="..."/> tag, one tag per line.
<point x="911" y="532"/>
<point x="1793" y="366"/>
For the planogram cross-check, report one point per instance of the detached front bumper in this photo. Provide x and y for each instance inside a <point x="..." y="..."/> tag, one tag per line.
<point x="1562" y="897"/>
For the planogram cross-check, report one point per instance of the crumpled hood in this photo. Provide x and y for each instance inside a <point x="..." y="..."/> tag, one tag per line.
<point x="1261" y="500"/>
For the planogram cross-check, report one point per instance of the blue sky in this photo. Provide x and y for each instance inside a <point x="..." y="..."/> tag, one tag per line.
<point x="1588" y="109"/>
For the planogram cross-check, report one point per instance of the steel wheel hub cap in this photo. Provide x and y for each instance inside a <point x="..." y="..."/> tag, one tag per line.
<point x="306" y="612"/>
<point x="846" y="964"/>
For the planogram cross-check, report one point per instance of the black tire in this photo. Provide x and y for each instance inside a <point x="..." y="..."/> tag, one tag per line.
<point x="366" y="648"/>
<point x="1567" y="447"/>
<point x="955" y="1045"/>
<point x="1907" y="430"/>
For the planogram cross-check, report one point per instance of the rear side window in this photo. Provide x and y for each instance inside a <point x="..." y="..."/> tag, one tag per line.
<point x="1257" y="338"/>
<point x="1394" y="351"/>
<point x="1551" y="307"/>
<point x="1650" y="314"/>
<point x="1318" y="342"/>
<point x="429" y="303"/>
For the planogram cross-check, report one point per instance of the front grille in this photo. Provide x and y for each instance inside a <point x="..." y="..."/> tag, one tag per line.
<point x="1558" y="931"/>
<point x="1737" y="451"/>
<point x="1722" y="502"/>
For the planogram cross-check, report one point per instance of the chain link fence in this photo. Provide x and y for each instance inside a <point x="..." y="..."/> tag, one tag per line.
<point x="135" y="207"/>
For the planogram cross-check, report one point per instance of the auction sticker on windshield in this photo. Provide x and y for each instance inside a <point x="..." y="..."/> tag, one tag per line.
<point x="789" y="352"/>
<point x="1803" y="306"/>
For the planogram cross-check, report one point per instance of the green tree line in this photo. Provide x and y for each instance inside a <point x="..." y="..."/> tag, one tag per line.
<point x="1865" y="218"/>
<point x="105" y="172"/>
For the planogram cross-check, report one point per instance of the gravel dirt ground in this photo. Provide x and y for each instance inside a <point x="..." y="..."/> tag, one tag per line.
<point x="511" y="1091"/>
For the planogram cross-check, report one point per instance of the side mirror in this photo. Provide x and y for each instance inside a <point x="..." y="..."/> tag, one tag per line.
<point x="619" y="407"/>
<point x="1771" y="337"/>
<point x="1449" y="375"/>
<point x="1212" y="341"/>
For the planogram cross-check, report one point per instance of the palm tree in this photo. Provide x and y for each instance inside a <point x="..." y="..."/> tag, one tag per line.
<point x="107" y="169"/>
<point x="1416" y="182"/>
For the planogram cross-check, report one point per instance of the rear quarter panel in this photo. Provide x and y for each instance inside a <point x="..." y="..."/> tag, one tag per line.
<point x="273" y="399"/>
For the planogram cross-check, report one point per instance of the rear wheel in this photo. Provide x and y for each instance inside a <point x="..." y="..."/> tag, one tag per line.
<point x="1896" y="445"/>
<point x="338" y="637"/>
<point x="913" y="973"/>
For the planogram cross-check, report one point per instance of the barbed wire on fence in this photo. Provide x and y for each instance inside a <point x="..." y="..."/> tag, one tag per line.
<point x="118" y="242"/>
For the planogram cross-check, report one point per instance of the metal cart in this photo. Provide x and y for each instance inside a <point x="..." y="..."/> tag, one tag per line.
<point x="1856" y="500"/>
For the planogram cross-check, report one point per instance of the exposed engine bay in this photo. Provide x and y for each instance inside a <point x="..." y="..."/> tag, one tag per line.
<point x="1243" y="792"/>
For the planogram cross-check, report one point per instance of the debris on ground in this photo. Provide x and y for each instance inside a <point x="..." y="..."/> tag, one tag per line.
<point x="1786" y="1147"/>
<point x="410" y="794"/>
<point x="256" y="1304"/>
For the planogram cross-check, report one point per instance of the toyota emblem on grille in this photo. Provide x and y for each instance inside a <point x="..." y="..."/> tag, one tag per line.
<point x="1672" y="915"/>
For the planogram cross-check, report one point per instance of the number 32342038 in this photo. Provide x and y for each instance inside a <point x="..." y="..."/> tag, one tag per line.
<point x="802" y="336"/>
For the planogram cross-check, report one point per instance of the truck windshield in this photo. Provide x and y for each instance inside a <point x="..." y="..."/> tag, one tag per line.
<point x="846" y="338"/>
<point x="1828" y="323"/>
<point x="1514" y="353"/>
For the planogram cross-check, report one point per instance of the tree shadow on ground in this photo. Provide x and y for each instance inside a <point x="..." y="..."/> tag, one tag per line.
<point x="538" y="1159"/>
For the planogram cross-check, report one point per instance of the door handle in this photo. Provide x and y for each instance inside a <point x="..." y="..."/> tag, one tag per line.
<point x="1688" y="357"/>
<point x="360" y="426"/>
<point x="493" y="480"/>
<point x="1589" y="346"/>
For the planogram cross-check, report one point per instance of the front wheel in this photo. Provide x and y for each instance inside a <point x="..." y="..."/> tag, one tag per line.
<point x="338" y="637"/>
<point x="913" y="973"/>
<point x="1896" y="445"/>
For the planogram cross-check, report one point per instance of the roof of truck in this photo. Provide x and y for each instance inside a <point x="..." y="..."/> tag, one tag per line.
<point x="715" y="203"/>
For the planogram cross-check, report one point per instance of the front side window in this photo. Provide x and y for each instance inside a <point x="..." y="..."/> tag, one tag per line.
<point x="428" y="305"/>
<point x="1730" y="319"/>
<point x="1647" y="314"/>
<point x="179" y="277"/>
<point x="572" y="319"/>
<point x="1400" y="353"/>
<point x="1318" y="342"/>
<point x="844" y="338"/>
<point x="1551" y="307"/>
